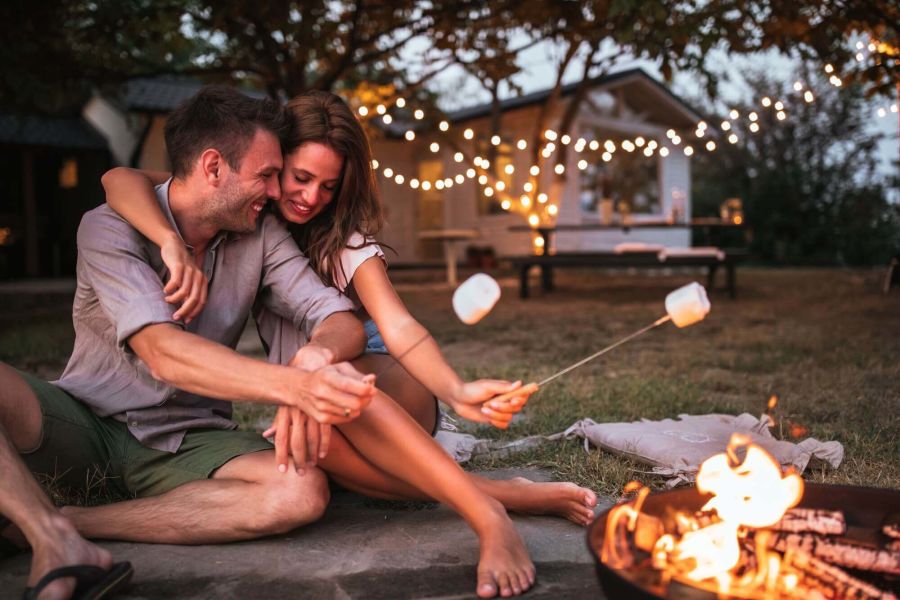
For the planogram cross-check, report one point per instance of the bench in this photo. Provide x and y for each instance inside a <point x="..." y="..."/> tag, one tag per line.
<point x="548" y="263"/>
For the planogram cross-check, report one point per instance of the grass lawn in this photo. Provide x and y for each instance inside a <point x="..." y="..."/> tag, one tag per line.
<point x="826" y="342"/>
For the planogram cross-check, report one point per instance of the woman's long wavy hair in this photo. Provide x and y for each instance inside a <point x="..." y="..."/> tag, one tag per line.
<point x="325" y="118"/>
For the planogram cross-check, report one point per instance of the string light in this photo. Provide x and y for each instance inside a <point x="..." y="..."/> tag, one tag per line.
<point x="559" y="169"/>
<point x="627" y="146"/>
<point x="528" y="187"/>
<point x="639" y="141"/>
<point x="521" y="144"/>
<point x="781" y="115"/>
<point x="754" y="127"/>
<point x="459" y="178"/>
<point x="399" y="179"/>
<point x="676" y="140"/>
<point x="609" y="145"/>
<point x="542" y="198"/>
<point x="374" y="164"/>
<point x="594" y="145"/>
<point x="534" y="171"/>
<point x="381" y="109"/>
<point x="458" y="156"/>
<point x="400" y="103"/>
<point x="468" y="134"/>
<point x="766" y="102"/>
<point x="779" y="105"/>
<point x="552" y="210"/>
<point x="410" y="135"/>
<point x="808" y="96"/>
<point x="495" y="140"/>
<point x="648" y="152"/>
<point x="505" y="205"/>
<point x="710" y="145"/>
<point x="443" y="125"/>
<point x="753" y="117"/>
<point x="550" y="135"/>
<point x="829" y="69"/>
<point x="700" y="132"/>
<point x="688" y="151"/>
<point x="882" y="112"/>
<point x="726" y="125"/>
<point x="652" y="144"/>
<point x="670" y="133"/>
<point x="565" y="140"/>
<point x="733" y="138"/>
<point x="798" y="85"/>
<point x="664" y="152"/>
<point x="470" y="172"/>
<point x="500" y="186"/>
<point x="434" y="147"/>
<point x="533" y="221"/>
<point x="525" y="199"/>
<point x="426" y="185"/>
<point x="582" y="164"/>
<point x="509" y="169"/>
<point x="387" y="119"/>
<point x="734" y="114"/>
<point x="419" y="114"/>
<point x="448" y="182"/>
<point x="439" y="184"/>
<point x="482" y="179"/>
<point x="388" y="172"/>
<point x="363" y="111"/>
<point x="414" y="183"/>
<point x="606" y="156"/>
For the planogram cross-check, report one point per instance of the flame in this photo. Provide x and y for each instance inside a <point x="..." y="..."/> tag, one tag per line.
<point x="797" y="430"/>
<point x="749" y="491"/>
<point x="773" y="402"/>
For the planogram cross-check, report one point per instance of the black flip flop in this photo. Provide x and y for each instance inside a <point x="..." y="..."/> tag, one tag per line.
<point x="8" y="549"/>
<point x="93" y="583"/>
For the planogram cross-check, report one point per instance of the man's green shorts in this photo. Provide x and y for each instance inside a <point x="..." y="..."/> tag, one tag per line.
<point x="79" y="448"/>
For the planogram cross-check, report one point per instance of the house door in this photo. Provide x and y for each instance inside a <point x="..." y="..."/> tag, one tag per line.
<point x="430" y="210"/>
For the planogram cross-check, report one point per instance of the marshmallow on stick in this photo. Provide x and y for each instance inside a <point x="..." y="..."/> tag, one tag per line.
<point x="475" y="298"/>
<point x="685" y="306"/>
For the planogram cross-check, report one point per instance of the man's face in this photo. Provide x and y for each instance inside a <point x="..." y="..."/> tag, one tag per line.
<point x="244" y="193"/>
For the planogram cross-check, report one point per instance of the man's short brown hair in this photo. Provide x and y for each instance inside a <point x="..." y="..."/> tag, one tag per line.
<point x="223" y="118"/>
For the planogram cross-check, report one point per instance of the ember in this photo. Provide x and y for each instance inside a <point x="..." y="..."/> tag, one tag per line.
<point x="747" y="540"/>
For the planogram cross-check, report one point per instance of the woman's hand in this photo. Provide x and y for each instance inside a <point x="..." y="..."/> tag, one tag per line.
<point x="187" y="283"/>
<point x="473" y="402"/>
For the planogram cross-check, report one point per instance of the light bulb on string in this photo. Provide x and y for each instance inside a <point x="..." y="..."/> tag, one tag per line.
<point x="664" y="152"/>
<point x="468" y="134"/>
<point x="559" y="169"/>
<point x="670" y="133"/>
<point x="374" y="164"/>
<point x="733" y="138"/>
<point x="609" y="145"/>
<point x="443" y="125"/>
<point x="528" y="187"/>
<point x="542" y="198"/>
<point x="482" y="179"/>
<point x="882" y="112"/>
<point x="388" y="172"/>
<point x="458" y="156"/>
<point x="460" y="178"/>
<point x="505" y="205"/>
<point x="525" y="199"/>
<point x="381" y="109"/>
<point x="753" y="117"/>
<point x="534" y="171"/>
<point x="521" y="144"/>
<point x="509" y="169"/>
<point x="594" y="145"/>
<point x="639" y="141"/>
<point x="439" y="184"/>
<point x="710" y="145"/>
<point x="419" y="114"/>
<point x="550" y="134"/>
<point x="726" y="125"/>
<point x="434" y="147"/>
<point x="399" y="179"/>
<point x="582" y="165"/>
<point x="426" y="185"/>
<point x="552" y="210"/>
<point x="808" y="96"/>
<point x="470" y="172"/>
<point x="387" y="119"/>
<point x="734" y="114"/>
<point x="648" y="152"/>
<point x="500" y="186"/>
<point x="754" y="127"/>
<point x="495" y="140"/>
<point x="564" y="140"/>
<point x="798" y="85"/>
<point x="829" y="69"/>
<point x="410" y="135"/>
<point x="688" y="151"/>
<point x="414" y="183"/>
<point x="363" y="111"/>
<point x="606" y="156"/>
<point x="676" y="140"/>
<point x="400" y="102"/>
<point x="652" y="144"/>
<point x="766" y="101"/>
<point x="781" y="115"/>
<point x="779" y="105"/>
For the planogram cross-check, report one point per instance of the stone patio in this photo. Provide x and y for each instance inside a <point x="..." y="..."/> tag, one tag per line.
<point x="360" y="549"/>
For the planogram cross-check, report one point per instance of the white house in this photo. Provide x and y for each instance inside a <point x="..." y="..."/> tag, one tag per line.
<point x="621" y="106"/>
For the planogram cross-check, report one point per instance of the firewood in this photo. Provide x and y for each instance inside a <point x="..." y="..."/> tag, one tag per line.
<point x="892" y="530"/>
<point x="837" y="581"/>
<point x="812" y="520"/>
<point x="838" y="552"/>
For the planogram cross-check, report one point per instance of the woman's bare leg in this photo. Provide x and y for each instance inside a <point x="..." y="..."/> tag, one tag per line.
<point x="350" y="469"/>
<point x="345" y="465"/>
<point x="391" y="440"/>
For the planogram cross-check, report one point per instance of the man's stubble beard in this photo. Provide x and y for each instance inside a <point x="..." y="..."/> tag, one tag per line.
<point x="229" y="209"/>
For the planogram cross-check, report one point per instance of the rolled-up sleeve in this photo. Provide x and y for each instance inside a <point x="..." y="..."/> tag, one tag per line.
<point x="291" y="288"/>
<point x="114" y="258"/>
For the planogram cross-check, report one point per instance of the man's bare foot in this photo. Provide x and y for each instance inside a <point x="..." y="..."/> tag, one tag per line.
<point x="60" y="545"/>
<point x="551" y="498"/>
<point x="504" y="567"/>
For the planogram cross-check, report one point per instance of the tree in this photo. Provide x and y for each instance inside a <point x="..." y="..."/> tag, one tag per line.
<point x="809" y="183"/>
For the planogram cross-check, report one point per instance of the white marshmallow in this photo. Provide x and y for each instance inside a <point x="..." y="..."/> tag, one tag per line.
<point x="475" y="298"/>
<point x="688" y="304"/>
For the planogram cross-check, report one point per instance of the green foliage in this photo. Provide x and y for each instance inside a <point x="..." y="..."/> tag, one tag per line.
<point x="810" y="185"/>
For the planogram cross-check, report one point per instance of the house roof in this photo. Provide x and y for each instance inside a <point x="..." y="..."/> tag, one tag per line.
<point x="73" y="133"/>
<point x="162" y="94"/>
<point x="608" y="80"/>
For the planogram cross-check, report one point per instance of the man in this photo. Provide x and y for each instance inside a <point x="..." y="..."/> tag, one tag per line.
<point x="145" y="398"/>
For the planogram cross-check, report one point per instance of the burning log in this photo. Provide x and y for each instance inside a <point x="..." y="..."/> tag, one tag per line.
<point x="838" y="552"/>
<point x="812" y="520"/>
<point x="837" y="581"/>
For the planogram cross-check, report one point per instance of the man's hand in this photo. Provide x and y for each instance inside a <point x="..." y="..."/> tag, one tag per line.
<point x="472" y="402"/>
<point x="187" y="284"/>
<point x="308" y="438"/>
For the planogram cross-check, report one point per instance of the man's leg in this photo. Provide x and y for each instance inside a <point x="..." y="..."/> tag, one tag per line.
<point x="246" y="498"/>
<point x="53" y="539"/>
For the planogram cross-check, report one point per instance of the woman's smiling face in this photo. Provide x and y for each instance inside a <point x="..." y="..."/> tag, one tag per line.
<point x="311" y="174"/>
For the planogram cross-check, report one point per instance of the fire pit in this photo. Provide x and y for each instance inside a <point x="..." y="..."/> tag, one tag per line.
<point x="835" y="542"/>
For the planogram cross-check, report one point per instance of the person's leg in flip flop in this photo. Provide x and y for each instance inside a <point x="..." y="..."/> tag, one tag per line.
<point x="53" y="540"/>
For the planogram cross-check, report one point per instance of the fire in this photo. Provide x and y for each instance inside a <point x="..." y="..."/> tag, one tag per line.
<point x="749" y="491"/>
<point x="773" y="402"/>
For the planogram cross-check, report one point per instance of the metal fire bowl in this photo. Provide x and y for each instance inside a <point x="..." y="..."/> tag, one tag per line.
<point x="865" y="509"/>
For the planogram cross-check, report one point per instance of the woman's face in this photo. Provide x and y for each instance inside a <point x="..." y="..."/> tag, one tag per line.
<point x="310" y="176"/>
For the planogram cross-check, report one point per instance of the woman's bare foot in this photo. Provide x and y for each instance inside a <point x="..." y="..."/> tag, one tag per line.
<point x="550" y="498"/>
<point x="504" y="567"/>
<point x="60" y="545"/>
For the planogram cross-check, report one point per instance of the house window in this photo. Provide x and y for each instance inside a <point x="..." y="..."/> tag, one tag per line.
<point x="68" y="174"/>
<point x="628" y="182"/>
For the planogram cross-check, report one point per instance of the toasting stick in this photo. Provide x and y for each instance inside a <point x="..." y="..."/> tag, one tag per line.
<point x="685" y="306"/>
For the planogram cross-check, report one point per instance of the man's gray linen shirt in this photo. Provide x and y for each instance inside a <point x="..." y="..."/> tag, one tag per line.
<point x="120" y="291"/>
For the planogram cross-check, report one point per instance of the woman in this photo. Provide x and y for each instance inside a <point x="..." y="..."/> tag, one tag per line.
<point x="329" y="198"/>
